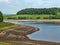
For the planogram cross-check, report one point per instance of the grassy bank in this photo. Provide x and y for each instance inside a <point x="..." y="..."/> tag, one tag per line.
<point x="5" y="25"/>
<point x="5" y="43"/>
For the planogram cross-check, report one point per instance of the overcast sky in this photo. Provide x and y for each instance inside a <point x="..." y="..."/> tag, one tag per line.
<point x="12" y="6"/>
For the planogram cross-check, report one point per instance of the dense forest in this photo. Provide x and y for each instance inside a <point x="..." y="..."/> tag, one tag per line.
<point x="33" y="11"/>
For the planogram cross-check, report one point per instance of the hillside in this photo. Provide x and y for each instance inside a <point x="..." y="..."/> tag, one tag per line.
<point x="38" y="11"/>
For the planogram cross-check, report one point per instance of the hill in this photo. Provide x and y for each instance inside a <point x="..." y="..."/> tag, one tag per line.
<point x="39" y="11"/>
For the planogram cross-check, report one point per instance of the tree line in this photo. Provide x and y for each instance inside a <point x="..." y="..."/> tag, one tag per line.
<point x="32" y="11"/>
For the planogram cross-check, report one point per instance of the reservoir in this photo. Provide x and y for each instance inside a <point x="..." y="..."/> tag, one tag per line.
<point x="47" y="32"/>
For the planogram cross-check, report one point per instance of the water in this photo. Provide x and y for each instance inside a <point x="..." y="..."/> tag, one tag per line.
<point x="48" y="32"/>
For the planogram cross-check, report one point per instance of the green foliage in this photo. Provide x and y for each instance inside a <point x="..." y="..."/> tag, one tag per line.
<point x="37" y="17"/>
<point x="34" y="11"/>
<point x="1" y="17"/>
<point x="29" y="16"/>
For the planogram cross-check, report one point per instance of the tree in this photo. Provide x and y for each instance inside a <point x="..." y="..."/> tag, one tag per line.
<point x="1" y="17"/>
<point x="34" y="11"/>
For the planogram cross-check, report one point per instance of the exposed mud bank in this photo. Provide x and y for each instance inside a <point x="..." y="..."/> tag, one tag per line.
<point x="17" y="35"/>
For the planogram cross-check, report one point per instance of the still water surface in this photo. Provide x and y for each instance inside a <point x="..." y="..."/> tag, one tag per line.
<point x="48" y="32"/>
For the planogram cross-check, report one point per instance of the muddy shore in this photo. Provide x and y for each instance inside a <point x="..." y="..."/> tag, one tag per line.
<point x="17" y="35"/>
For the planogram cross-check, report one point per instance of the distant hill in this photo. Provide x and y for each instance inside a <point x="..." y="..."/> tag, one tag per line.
<point x="32" y="11"/>
<point x="8" y="14"/>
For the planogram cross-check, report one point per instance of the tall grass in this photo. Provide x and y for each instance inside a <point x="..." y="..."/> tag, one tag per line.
<point x="4" y="25"/>
<point x="28" y="16"/>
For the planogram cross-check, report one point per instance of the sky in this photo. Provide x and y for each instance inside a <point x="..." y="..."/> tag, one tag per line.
<point x="13" y="6"/>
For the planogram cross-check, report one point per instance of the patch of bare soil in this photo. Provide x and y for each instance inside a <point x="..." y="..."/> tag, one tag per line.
<point x="17" y="33"/>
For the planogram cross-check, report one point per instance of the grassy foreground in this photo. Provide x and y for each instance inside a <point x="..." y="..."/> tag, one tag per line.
<point x="5" y="43"/>
<point x="5" y="25"/>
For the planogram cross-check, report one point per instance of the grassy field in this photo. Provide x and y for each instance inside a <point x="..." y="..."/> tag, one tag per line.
<point x="5" y="43"/>
<point x="5" y="25"/>
<point x="28" y="16"/>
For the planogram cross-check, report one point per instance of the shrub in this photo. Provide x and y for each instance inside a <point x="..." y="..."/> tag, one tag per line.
<point x="22" y="18"/>
<point x="1" y="17"/>
<point x="37" y="17"/>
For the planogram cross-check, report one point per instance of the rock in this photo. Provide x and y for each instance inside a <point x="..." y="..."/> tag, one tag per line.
<point x="2" y="33"/>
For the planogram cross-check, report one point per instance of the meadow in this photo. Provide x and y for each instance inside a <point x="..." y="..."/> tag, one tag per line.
<point x="43" y="16"/>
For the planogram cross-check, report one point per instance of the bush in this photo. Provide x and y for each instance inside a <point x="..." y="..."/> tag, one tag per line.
<point x="46" y="18"/>
<point x="22" y="18"/>
<point x="1" y="17"/>
<point x="37" y="17"/>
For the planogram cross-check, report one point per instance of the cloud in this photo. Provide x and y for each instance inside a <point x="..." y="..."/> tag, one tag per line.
<point x="43" y="3"/>
<point x="4" y="0"/>
<point x="12" y="6"/>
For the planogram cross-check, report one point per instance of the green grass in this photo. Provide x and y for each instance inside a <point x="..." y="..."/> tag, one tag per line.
<point x="27" y="16"/>
<point x="5" y="43"/>
<point x="5" y="25"/>
<point x="33" y="16"/>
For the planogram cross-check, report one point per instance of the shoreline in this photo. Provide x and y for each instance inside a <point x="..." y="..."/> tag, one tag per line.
<point x="42" y="21"/>
<point x="25" y="39"/>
